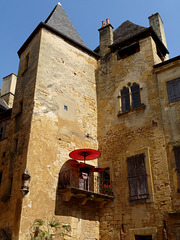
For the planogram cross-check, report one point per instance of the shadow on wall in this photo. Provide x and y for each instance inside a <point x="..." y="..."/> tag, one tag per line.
<point x="69" y="177"/>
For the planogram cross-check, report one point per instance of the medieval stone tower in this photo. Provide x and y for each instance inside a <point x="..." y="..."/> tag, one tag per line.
<point x="122" y="99"/>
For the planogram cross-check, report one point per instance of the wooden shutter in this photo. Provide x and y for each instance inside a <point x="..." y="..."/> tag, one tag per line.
<point x="177" y="159"/>
<point x="132" y="178"/>
<point x="137" y="177"/>
<point x="173" y="90"/>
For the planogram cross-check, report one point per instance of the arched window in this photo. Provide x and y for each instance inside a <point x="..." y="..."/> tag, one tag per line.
<point x="125" y="99"/>
<point x="130" y="97"/>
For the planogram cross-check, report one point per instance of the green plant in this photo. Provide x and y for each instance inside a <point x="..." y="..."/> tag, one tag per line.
<point x="106" y="189"/>
<point x="41" y="230"/>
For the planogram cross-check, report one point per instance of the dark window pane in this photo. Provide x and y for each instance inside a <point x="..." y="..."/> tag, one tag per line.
<point x="2" y="130"/>
<point x="143" y="237"/>
<point x="125" y="99"/>
<point x="124" y="53"/>
<point x="177" y="159"/>
<point x="0" y="177"/>
<point x="136" y="99"/>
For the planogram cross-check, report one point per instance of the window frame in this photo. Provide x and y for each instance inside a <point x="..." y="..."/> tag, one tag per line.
<point x="176" y="150"/>
<point x="171" y="87"/>
<point x="131" y="99"/>
<point x="128" y="51"/>
<point x="137" y="172"/>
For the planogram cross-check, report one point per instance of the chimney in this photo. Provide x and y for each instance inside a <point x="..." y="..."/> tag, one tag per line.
<point x="156" y="23"/>
<point x="106" y="37"/>
<point x="8" y="89"/>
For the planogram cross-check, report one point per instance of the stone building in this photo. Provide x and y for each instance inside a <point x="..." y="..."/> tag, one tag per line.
<point x="122" y="99"/>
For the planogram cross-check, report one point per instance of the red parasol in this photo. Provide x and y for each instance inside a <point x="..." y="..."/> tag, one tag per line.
<point x="85" y="154"/>
<point x="78" y="165"/>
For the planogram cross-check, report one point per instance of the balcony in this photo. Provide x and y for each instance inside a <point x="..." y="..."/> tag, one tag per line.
<point x="85" y="185"/>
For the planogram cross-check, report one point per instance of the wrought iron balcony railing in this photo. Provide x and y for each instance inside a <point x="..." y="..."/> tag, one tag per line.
<point x="87" y="181"/>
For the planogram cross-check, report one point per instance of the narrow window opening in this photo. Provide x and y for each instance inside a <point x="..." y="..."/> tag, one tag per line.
<point x="66" y="107"/>
<point x="4" y="154"/>
<point x="15" y="144"/>
<point x="2" y="130"/>
<point x="125" y="99"/>
<point x="177" y="160"/>
<point x="27" y="61"/>
<point x="21" y="106"/>
<point x="0" y="178"/>
<point x="139" y="237"/>
<point x="136" y="99"/>
<point x="10" y="186"/>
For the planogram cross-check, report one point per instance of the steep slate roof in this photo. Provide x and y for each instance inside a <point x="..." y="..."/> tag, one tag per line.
<point x="127" y="30"/>
<point x="59" y="20"/>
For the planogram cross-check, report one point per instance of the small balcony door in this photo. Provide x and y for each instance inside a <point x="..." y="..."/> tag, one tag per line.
<point x="84" y="179"/>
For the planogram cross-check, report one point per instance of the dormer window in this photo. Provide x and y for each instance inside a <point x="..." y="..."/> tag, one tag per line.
<point x="128" y="51"/>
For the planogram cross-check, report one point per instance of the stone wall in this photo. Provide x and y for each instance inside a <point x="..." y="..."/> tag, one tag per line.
<point x="171" y="118"/>
<point x="64" y="112"/>
<point x="18" y="140"/>
<point x="124" y="135"/>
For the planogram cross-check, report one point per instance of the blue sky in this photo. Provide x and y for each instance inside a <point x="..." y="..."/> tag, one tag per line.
<point x="18" y="18"/>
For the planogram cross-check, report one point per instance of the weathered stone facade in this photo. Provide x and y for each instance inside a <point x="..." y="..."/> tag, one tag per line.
<point x="68" y="97"/>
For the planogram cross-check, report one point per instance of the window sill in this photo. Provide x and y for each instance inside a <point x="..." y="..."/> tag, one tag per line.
<point x="142" y="107"/>
<point x="138" y="201"/>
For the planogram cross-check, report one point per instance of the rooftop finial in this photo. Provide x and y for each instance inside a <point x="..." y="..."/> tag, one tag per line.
<point x="59" y="3"/>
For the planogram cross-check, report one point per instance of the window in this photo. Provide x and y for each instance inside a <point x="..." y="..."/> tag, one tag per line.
<point x="15" y="144"/>
<point x="130" y="97"/>
<point x="135" y="92"/>
<point x="0" y="178"/>
<point x="128" y="51"/>
<point x="65" y="107"/>
<point x="173" y="90"/>
<point x="25" y="63"/>
<point x="2" y="130"/>
<point x="137" y="177"/>
<point x="105" y="177"/>
<point x="84" y="178"/>
<point x="148" y="237"/>
<point x="177" y="159"/>
<point x="21" y="106"/>
<point x="125" y="99"/>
